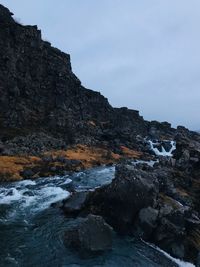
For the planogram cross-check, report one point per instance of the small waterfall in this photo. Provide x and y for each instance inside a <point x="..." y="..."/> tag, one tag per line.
<point x="163" y="151"/>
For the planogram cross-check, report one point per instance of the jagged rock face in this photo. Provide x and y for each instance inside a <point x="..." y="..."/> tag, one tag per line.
<point x="39" y="90"/>
<point x="38" y="87"/>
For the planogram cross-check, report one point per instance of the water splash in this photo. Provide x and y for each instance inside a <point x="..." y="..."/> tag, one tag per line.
<point x="163" y="152"/>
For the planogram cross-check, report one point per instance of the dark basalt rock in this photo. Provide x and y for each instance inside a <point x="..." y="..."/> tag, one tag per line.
<point x="27" y="174"/>
<point x="144" y="202"/>
<point x="120" y="201"/>
<point x="146" y="222"/>
<point x="92" y="234"/>
<point x="75" y="203"/>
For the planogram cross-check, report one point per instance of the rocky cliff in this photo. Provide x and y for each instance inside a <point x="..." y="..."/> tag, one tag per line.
<point x="41" y="94"/>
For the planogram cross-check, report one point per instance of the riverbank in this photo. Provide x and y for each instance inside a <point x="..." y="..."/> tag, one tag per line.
<point x="59" y="162"/>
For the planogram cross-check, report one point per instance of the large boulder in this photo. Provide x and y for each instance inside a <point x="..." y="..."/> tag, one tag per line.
<point x="92" y="234"/>
<point x="75" y="204"/>
<point x="119" y="202"/>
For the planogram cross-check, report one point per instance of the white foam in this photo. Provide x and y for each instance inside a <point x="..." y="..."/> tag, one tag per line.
<point x="48" y="195"/>
<point x="163" y="153"/>
<point x="148" y="162"/>
<point x="35" y="199"/>
<point x="26" y="182"/>
<point x="179" y="203"/>
<point x="80" y="174"/>
<point x="106" y="170"/>
<point x="28" y="200"/>
<point x="9" y="196"/>
<point x="177" y="261"/>
<point x="67" y="181"/>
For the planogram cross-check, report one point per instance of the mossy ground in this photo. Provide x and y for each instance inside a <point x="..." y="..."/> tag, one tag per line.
<point x="12" y="167"/>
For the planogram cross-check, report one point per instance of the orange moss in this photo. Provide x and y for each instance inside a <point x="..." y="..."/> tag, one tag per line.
<point x="130" y="152"/>
<point x="11" y="166"/>
<point x="89" y="156"/>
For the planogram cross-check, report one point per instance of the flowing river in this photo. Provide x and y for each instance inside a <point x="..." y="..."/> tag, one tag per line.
<point x="31" y="230"/>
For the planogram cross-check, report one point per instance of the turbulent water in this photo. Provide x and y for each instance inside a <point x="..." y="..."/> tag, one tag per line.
<point x="163" y="152"/>
<point x="31" y="231"/>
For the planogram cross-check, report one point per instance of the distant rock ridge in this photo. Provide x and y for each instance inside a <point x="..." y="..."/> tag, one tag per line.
<point x="40" y="95"/>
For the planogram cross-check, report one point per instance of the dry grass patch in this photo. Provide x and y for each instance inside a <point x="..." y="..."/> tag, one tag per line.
<point x="130" y="153"/>
<point x="12" y="166"/>
<point x="89" y="156"/>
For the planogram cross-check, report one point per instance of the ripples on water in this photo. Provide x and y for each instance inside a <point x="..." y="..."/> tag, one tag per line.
<point x="31" y="232"/>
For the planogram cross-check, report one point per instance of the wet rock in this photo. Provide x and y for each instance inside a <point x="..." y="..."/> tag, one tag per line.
<point x="75" y="203"/>
<point x="177" y="249"/>
<point x="119" y="202"/>
<point x="27" y="174"/>
<point x="92" y="234"/>
<point x="147" y="222"/>
<point x="166" y="145"/>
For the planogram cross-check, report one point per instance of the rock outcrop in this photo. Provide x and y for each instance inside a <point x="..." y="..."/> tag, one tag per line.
<point x="120" y="202"/>
<point x="159" y="204"/>
<point x="91" y="234"/>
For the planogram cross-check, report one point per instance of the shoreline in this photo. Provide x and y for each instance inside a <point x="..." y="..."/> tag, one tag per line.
<point x="76" y="158"/>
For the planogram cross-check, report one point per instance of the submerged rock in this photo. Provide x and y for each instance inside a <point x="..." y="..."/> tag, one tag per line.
<point x="75" y="203"/>
<point x="92" y="234"/>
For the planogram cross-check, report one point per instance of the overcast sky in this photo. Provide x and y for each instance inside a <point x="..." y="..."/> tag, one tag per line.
<point x="143" y="54"/>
